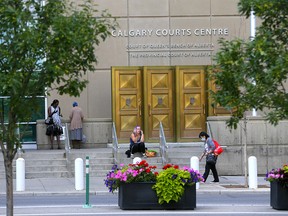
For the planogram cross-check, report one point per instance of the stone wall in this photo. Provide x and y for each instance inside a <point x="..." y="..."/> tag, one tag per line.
<point x="157" y="48"/>
<point x="97" y="131"/>
<point x="268" y="143"/>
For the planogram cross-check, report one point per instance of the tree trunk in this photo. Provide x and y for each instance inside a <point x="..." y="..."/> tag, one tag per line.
<point x="9" y="185"/>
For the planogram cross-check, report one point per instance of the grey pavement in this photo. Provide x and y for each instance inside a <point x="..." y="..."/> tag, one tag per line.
<point x="54" y="186"/>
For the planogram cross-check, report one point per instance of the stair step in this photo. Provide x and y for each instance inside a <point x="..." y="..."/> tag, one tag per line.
<point x="53" y="163"/>
<point x="34" y="169"/>
<point x="54" y="174"/>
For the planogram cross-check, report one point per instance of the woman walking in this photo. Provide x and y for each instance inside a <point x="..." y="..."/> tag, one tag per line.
<point x="209" y="148"/>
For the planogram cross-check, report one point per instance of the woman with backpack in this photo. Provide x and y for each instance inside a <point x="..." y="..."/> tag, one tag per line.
<point x="211" y="158"/>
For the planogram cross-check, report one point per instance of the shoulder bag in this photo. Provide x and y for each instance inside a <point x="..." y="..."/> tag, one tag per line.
<point x="211" y="159"/>
<point x="49" y="121"/>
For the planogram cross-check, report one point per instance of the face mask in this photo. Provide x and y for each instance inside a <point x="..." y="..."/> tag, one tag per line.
<point x="203" y="139"/>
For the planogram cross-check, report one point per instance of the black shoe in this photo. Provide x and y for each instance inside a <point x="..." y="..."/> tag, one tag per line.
<point x="214" y="181"/>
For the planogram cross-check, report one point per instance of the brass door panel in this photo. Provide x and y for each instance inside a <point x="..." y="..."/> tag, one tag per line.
<point x="191" y="102"/>
<point x="216" y="109"/>
<point x="159" y="103"/>
<point x="126" y="100"/>
<point x="146" y="96"/>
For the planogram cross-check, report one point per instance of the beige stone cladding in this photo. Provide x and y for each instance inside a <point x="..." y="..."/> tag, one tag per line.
<point x="156" y="33"/>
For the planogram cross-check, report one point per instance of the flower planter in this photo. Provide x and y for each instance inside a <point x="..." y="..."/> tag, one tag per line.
<point x="142" y="196"/>
<point x="278" y="196"/>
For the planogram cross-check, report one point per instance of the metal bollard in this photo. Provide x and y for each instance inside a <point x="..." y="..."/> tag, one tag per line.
<point x="79" y="174"/>
<point x="20" y="174"/>
<point x="87" y="204"/>
<point x="194" y="164"/>
<point x="252" y="171"/>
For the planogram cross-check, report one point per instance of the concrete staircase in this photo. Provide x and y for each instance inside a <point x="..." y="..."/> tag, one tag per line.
<point x="53" y="163"/>
<point x="178" y="153"/>
<point x="153" y="161"/>
<point x="182" y="155"/>
<point x="100" y="160"/>
<point x="40" y="164"/>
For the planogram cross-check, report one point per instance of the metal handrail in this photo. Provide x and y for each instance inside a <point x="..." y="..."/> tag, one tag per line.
<point x="67" y="149"/>
<point x="209" y="129"/>
<point x="211" y="135"/>
<point x="115" y="144"/>
<point x="163" y="145"/>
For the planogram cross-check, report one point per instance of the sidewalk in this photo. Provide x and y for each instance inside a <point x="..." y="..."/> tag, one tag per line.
<point x="49" y="186"/>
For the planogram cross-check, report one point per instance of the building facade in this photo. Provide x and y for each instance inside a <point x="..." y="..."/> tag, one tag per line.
<point x="152" y="69"/>
<point x="159" y="48"/>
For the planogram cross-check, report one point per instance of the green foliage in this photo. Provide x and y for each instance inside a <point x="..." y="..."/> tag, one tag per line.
<point x="45" y="47"/>
<point x="151" y="150"/>
<point x="253" y="74"/>
<point x="170" y="183"/>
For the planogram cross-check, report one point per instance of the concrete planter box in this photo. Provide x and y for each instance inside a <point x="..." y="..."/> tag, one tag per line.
<point x="141" y="196"/>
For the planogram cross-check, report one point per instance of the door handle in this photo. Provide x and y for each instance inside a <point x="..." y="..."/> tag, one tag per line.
<point x="149" y="107"/>
<point x="204" y="111"/>
<point x="140" y="112"/>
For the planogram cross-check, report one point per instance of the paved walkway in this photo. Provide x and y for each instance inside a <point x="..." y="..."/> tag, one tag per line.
<point x="96" y="186"/>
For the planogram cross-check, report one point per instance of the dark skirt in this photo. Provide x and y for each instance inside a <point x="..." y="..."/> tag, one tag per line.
<point x="54" y="130"/>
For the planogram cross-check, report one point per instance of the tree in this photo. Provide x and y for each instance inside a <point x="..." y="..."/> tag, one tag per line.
<point x="253" y="74"/>
<point x="43" y="45"/>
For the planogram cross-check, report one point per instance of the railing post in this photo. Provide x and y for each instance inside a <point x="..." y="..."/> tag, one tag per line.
<point x="115" y="144"/>
<point x="67" y="150"/>
<point x="162" y="144"/>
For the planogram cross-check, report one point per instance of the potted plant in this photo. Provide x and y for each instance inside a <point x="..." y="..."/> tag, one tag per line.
<point x="151" y="153"/>
<point x="141" y="187"/>
<point x="279" y="187"/>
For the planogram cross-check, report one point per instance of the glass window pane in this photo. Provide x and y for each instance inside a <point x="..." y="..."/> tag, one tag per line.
<point x="28" y="133"/>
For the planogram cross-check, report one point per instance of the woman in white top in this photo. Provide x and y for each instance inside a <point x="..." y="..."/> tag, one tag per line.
<point x="54" y="112"/>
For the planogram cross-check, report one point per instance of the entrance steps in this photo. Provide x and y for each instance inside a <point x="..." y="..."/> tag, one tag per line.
<point x="53" y="163"/>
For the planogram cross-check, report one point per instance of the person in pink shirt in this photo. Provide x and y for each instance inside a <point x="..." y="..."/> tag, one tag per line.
<point x="76" y="126"/>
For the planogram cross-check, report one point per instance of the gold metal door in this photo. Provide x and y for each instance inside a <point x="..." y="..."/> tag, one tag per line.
<point x="159" y="103"/>
<point x="126" y="100"/>
<point x="191" y="102"/>
<point x="216" y="109"/>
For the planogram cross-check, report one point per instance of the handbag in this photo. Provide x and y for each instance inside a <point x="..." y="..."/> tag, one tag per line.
<point x="211" y="159"/>
<point x="84" y="139"/>
<point x="49" y="130"/>
<point x="49" y="121"/>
